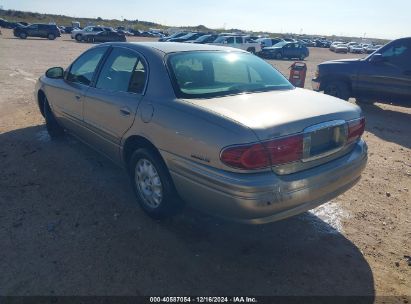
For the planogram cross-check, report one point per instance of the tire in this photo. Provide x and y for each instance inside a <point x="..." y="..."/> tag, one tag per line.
<point x="52" y="126"/>
<point x="51" y="36"/>
<point x="338" y="89"/>
<point x="23" y="35"/>
<point x="152" y="184"/>
<point x="278" y="56"/>
<point x="251" y="50"/>
<point x="78" y="38"/>
<point x="302" y="57"/>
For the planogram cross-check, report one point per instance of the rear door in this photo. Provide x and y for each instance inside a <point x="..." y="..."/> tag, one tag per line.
<point x="33" y="30"/>
<point x="111" y="105"/>
<point x="392" y="76"/>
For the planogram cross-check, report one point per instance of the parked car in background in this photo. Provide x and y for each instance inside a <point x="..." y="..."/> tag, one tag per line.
<point x="267" y="42"/>
<point x="187" y="37"/>
<point x="322" y="43"/>
<point x="81" y="34"/>
<point x="356" y="49"/>
<point x="106" y="36"/>
<point x="49" y="31"/>
<point x="334" y="45"/>
<point x="209" y="38"/>
<point x="189" y="133"/>
<point x="341" y="48"/>
<point x="69" y="29"/>
<point x="175" y="35"/>
<point x="239" y="42"/>
<point x="125" y="32"/>
<point x="385" y="74"/>
<point x="283" y="50"/>
<point x="372" y="48"/>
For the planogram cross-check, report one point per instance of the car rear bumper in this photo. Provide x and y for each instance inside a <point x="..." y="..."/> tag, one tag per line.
<point x="265" y="197"/>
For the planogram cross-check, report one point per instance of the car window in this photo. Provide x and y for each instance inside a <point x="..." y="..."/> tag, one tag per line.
<point x="122" y="72"/>
<point x="230" y="40"/>
<point x="211" y="74"/>
<point x="33" y="27"/>
<point x="82" y="70"/>
<point x="398" y="54"/>
<point x="238" y="40"/>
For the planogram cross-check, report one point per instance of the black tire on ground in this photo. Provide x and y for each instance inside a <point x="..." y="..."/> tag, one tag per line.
<point x="278" y="55"/>
<point x="23" y="35"/>
<point x="302" y="57"/>
<point x="338" y="89"/>
<point x="51" y="36"/>
<point x="78" y="37"/>
<point x="251" y="50"/>
<point x="169" y="203"/>
<point x="52" y="126"/>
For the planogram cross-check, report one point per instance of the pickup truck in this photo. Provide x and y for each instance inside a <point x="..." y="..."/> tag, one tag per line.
<point x="383" y="75"/>
<point x="240" y="42"/>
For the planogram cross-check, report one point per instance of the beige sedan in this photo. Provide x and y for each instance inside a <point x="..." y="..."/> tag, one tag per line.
<point x="214" y="127"/>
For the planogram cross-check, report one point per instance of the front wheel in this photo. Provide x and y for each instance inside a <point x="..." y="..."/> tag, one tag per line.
<point x="302" y="57"/>
<point x="152" y="184"/>
<point x="78" y="38"/>
<point x="51" y="36"/>
<point x="338" y="89"/>
<point x="52" y="126"/>
<point x="278" y="56"/>
<point x="23" y="35"/>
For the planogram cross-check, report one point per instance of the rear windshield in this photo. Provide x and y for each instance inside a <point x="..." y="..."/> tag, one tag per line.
<point x="211" y="74"/>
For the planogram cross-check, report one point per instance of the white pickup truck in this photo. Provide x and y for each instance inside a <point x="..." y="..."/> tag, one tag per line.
<point x="240" y="42"/>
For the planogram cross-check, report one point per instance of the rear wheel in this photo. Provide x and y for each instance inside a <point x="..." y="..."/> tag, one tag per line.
<point x="302" y="57"/>
<point x="251" y="50"/>
<point x="51" y="36"/>
<point x="53" y="128"/>
<point x="278" y="56"/>
<point x="23" y="35"/>
<point x="338" y="89"/>
<point x="152" y="184"/>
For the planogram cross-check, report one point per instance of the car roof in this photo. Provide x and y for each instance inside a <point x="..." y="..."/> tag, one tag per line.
<point x="176" y="47"/>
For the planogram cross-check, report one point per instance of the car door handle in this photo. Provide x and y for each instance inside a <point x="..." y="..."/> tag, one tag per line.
<point x="125" y="111"/>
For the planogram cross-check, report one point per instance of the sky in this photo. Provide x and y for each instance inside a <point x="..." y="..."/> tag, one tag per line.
<point x="359" y="18"/>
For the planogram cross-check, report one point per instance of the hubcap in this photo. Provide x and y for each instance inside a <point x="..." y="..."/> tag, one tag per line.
<point x="148" y="183"/>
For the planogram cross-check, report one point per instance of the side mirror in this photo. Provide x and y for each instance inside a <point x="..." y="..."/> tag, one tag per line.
<point x="376" y="58"/>
<point x="55" y="73"/>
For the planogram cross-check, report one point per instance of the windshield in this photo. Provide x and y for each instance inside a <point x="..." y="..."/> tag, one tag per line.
<point x="202" y="38"/>
<point x="211" y="74"/>
<point x="280" y="44"/>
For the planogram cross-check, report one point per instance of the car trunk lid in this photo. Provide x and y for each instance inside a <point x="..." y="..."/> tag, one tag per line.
<point x="321" y="119"/>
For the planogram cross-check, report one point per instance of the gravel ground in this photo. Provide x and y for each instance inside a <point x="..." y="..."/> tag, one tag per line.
<point x="69" y="224"/>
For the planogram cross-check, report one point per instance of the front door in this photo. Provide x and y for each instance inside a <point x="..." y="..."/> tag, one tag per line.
<point x="67" y="99"/>
<point x="111" y="105"/>
<point x="390" y="77"/>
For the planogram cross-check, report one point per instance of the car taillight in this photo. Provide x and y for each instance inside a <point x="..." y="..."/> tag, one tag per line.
<point x="355" y="129"/>
<point x="247" y="157"/>
<point x="262" y="155"/>
<point x="285" y="150"/>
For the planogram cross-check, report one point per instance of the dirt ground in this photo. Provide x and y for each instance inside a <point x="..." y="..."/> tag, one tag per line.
<point x="69" y="224"/>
